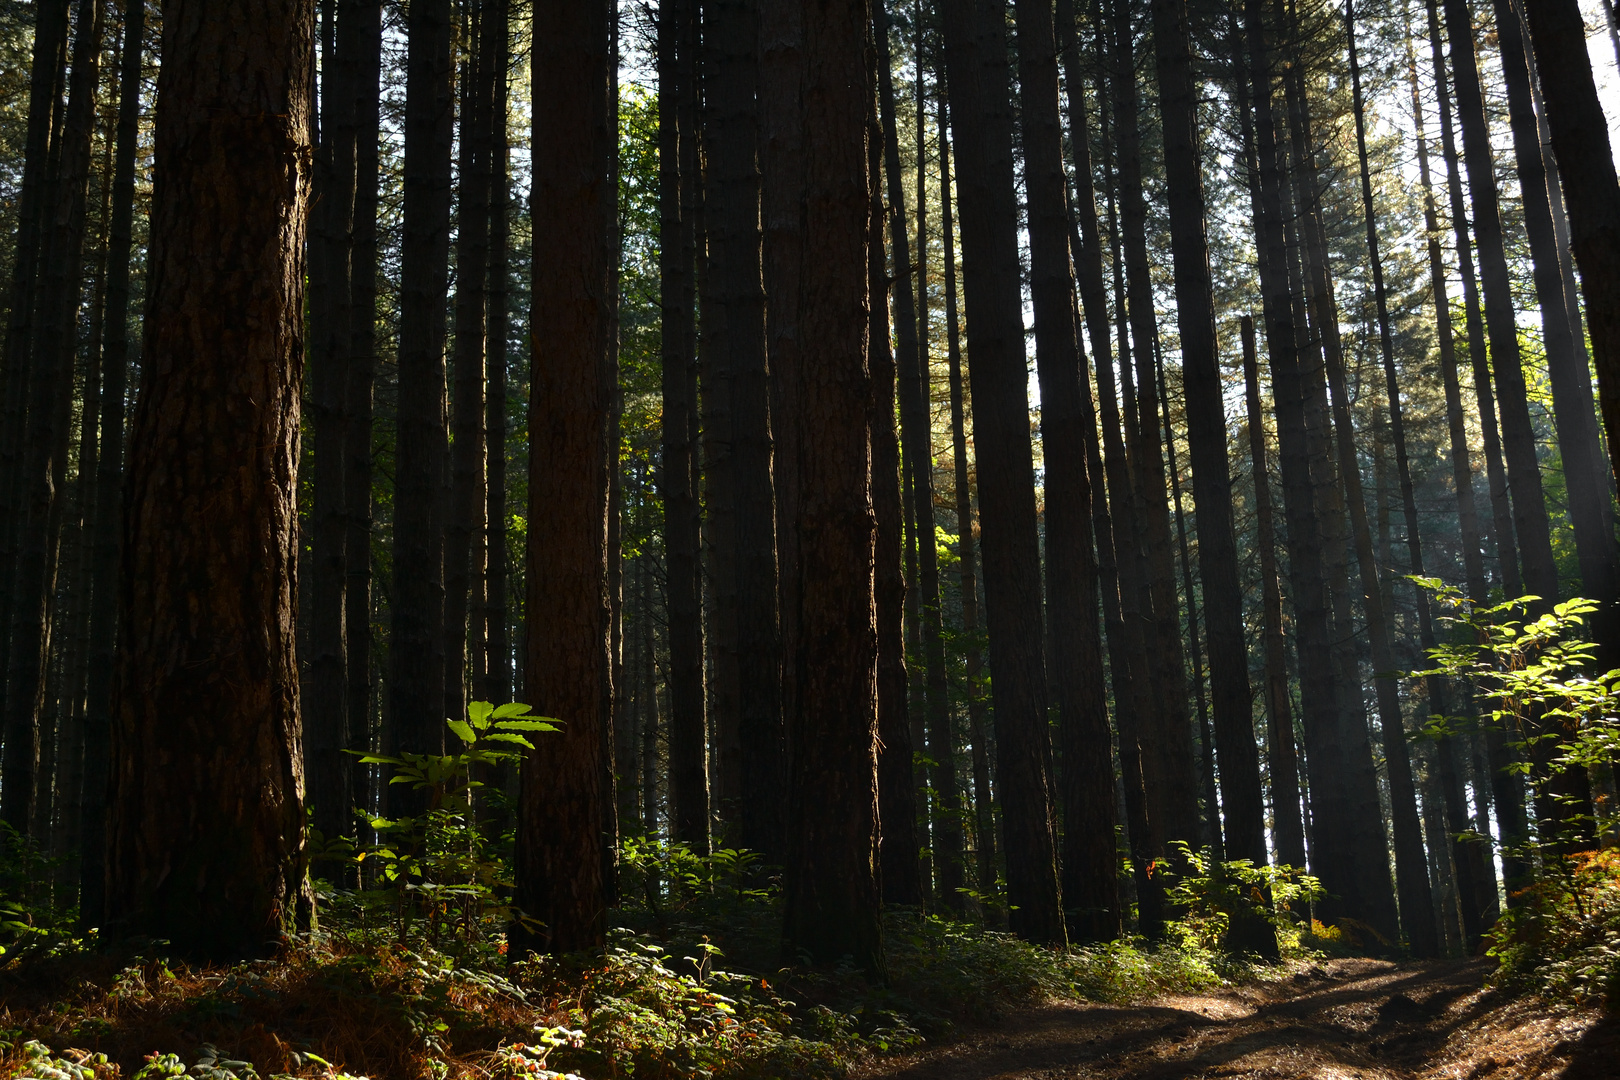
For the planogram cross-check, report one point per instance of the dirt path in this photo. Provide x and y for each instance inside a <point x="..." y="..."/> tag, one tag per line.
<point x="1362" y="1019"/>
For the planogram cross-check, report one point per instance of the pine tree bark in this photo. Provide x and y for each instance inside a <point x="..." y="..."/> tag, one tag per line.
<point x="37" y="191"/>
<point x="830" y="891"/>
<point x="984" y="822"/>
<point x="365" y="22"/>
<point x="1580" y="139"/>
<point x="109" y="481"/>
<point x="677" y="132"/>
<point x="1287" y="824"/>
<point x="1242" y="800"/>
<point x="916" y="437"/>
<point x="205" y="838"/>
<point x="734" y="326"/>
<point x="465" y="525"/>
<point x="45" y="437"/>
<point x="326" y="730"/>
<point x="416" y="653"/>
<point x="1586" y="474"/>
<point x="1076" y="669"/>
<point x="975" y="51"/>
<point x="1563" y="798"/>
<point x="561" y="810"/>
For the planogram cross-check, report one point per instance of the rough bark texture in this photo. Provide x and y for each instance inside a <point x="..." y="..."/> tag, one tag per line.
<point x="688" y="763"/>
<point x="830" y="890"/>
<point x="205" y="844"/>
<point x="976" y="62"/>
<point x="561" y="812"/>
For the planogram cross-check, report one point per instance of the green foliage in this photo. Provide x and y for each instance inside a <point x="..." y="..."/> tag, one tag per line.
<point x="1562" y="937"/>
<point x="1534" y="678"/>
<point x="1212" y="894"/>
<point x="31" y="922"/>
<point x="437" y="869"/>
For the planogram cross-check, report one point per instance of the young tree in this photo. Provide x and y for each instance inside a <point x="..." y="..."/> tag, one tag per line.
<point x="205" y="837"/>
<point x="561" y="812"/>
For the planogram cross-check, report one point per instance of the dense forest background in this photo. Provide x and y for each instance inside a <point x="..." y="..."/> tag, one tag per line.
<point x="1196" y="333"/>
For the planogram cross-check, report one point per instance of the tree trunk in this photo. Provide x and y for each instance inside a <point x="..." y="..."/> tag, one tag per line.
<point x="1586" y="474"/>
<point x="830" y="892"/>
<point x="205" y="844"/>
<point x="560" y="812"/>
<point x="984" y="823"/>
<point x="365" y="22"/>
<point x="688" y="764"/>
<point x="975" y="50"/>
<point x="902" y="876"/>
<point x="1169" y="772"/>
<point x="465" y="525"/>
<point x="416" y="674"/>
<point x="1087" y="786"/>
<point x="109" y="481"/>
<point x="327" y="769"/>
<point x="37" y="193"/>
<point x="916" y="435"/>
<point x="1241" y="797"/>
<point x="1562" y="798"/>
<point x="781" y="149"/>
<point x="1287" y="824"/>
<point x="1580" y="138"/>
<point x="496" y="685"/>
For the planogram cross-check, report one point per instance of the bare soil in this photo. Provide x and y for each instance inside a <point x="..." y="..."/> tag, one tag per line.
<point x="1362" y="1019"/>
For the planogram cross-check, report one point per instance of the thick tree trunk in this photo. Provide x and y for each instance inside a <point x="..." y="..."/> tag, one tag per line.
<point x="416" y="675"/>
<point x="1076" y="668"/>
<point x="326" y="735"/>
<point x="916" y="435"/>
<point x="734" y="320"/>
<point x="205" y="844"/>
<point x="830" y="890"/>
<point x="984" y="822"/>
<point x="1580" y="138"/>
<point x="561" y="812"/>
<point x="677" y="133"/>
<point x="1241" y="797"/>
<point x="975" y="49"/>
<point x="109" y="482"/>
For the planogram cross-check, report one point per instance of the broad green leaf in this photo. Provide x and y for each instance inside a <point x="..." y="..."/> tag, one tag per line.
<point x="464" y="731"/>
<point x="506" y="712"/>
<point x="540" y="723"/>
<point x="508" y="737"/>
<point x="479" y="713"/>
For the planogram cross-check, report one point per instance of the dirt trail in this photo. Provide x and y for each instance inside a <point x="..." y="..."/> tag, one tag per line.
<point x="1363" y="1019"/>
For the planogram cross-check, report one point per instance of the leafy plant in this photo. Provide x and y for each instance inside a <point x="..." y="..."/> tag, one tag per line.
<point x="437" y="868"/>
<point x="1213" y="894"/>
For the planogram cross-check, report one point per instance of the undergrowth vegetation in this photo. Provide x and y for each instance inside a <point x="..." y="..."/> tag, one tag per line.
<point x="407" y="974"/>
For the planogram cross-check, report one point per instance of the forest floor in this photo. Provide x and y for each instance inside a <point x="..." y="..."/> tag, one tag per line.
<point x="1340" y="1019"/>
